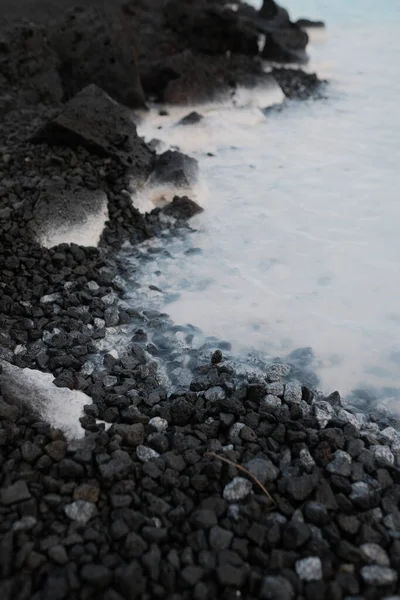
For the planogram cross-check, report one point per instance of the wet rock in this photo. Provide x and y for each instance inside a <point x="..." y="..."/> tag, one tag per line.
<point x="91" y="119"/>
<point x="238" y="489"/>
<point x="17" y="492"/>
<point x="182" y="208"/>
<point x="174" y="168"/>
<point x="191" y="119"/>
<point x="271" y="404"/>
<point x="309" y="569"/>
<point x="80" y="511"/>
<point x="308" y="24"/>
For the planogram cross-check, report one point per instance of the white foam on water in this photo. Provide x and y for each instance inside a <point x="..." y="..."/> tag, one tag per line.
<point x="60" y="407"/>
<point x="86" y="233"/>
<point x="299" y="243"/>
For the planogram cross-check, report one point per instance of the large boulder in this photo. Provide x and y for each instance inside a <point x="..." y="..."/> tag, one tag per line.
<point x="28" y="66"/>
<point x="210" y="28"/>
<point x="98" y="46"/>
<point x="93" y="120"/>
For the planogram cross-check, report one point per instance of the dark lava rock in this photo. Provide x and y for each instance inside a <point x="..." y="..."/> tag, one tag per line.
<point x="307" y="24"/>
<point x="295" y="535"/>
<point x="182" y="208"/>
<point x="174" y="168"/>
<point x="276" y="588"/>
<point x="191" y="119"/>
<point x="29" y="64"/>
<point x="17" y="492"/>
<point x="93" y="120"/>
<point x="96" y="45"/>
<point x="96" y="575"/>
<point x="299" y="488"/>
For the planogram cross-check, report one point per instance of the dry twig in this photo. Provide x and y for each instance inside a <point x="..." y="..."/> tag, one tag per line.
<point x="253" y="477"/>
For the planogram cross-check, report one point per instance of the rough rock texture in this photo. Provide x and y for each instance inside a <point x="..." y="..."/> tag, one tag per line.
<point x="95" y="46"/>
<point x="92" y="119"/>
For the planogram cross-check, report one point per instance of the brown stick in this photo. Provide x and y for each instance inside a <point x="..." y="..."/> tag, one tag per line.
<point x="253" y="477"/>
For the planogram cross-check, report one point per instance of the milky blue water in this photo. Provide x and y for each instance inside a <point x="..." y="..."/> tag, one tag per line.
<point x="299" y="244"/>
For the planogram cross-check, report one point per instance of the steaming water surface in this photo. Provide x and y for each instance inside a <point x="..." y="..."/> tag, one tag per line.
<point x="299" y="244"/>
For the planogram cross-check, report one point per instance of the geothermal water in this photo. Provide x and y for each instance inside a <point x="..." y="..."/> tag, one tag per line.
<point x="299" y="244"/>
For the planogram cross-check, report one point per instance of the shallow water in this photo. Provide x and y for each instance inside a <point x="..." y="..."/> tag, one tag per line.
<point x="299" y="243"/>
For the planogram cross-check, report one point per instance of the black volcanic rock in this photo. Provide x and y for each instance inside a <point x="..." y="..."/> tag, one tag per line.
<point x="92" y="119"/>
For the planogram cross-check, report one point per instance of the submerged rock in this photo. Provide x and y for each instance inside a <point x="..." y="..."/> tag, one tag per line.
<point x="182" y="208"/>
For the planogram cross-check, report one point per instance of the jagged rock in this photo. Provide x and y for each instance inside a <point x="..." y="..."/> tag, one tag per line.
<point x="93" y="120"/>
<point x="97" y="45"/>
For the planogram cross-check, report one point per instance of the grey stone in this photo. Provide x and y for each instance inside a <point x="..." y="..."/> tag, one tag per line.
<point x="263" y="469"/>
<point x="306" y="460"/>
<point x="80" y="511"/>
<point x="25" y="524"/>
<point x="111" y="316"/>
<point x="383" y="456"/>
<point x="132" y="435"/>
<point x="238" y="489"/>
<point x="158" y="424"/>
<point x="377" y="575"/>
<point x="363" y="495"/>
<point x="347" y="417"/>
<point x="277" y="372"/>
<point x="144" y="453"/>
<point x="270" y="404"/>
<point x="341" y="464"/>
<point x="293" y="393"/>
<point x="30" y="452"/>
<point x="309" y="569"/>
<point x="234" y="433"/>
<point x="389" y="435"/>
<point x="110" y="381"/>
<point x="276" y="588"/>
<point x="214" y="393"/>
<point x="323" y="412"/>
<point x="375" y="554"/>
<point x="275" y="388"/>
<point x="17" y="492"/>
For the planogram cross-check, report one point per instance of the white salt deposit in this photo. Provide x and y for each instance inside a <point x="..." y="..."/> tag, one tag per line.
<point x="85" y="233"/>
<point x="60" y="407"/>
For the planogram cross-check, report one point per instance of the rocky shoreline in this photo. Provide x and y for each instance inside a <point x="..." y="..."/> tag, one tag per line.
<point x="232" y="486"/>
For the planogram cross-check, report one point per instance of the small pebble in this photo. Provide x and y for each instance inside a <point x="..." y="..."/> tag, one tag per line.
<point x="80" y="511"/>
<point x="309" y="569"/>
<point x="238" y="489"/>
<point x="144" y="453"/>
<point x="377" y="575"/>
<point x="375" y="554"/>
